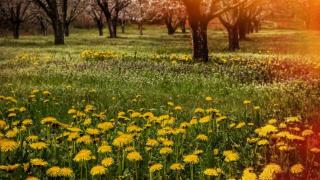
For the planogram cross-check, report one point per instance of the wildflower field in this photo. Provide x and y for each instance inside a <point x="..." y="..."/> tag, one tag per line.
<point x="140" y="108"/>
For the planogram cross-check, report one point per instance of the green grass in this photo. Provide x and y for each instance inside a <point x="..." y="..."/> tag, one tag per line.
<point x="185" y="83"/>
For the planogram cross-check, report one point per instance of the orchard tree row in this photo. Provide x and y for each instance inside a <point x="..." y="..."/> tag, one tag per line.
<point x="238" y="17"/>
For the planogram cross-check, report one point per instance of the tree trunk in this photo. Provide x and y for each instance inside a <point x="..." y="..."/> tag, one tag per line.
<point x="100" y="28"/>
<point x="112" y="32"/>
<point x="256" y="26"/>
<point x="43" y="29"/>
<point x="16" y="30"/>
<point x="112" y="26"/>
<point x="200" y="41"/>
<point x="58" y="28"/>
<point x="233" y="38"/>
<point x="183" y="26"/>
<point x="67" y="29"/>
<point x="123" y="23"/>
<point x="140" y="24"/>
<point x="242" y="30"/>
<point x="170" y="28"/>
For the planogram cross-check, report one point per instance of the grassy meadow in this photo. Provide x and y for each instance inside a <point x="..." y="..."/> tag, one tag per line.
<point x="138" y="107"/>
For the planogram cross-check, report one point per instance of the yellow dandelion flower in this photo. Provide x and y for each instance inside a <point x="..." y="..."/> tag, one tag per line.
<point x="270" y="171"/>
<point x="297" y="169"/>
<point x="3" y="124"/>
<point x="166" y="151"/>
<point x="133" y="129"/>
<point x="105" y="149"/>
<point x="46" y="93"/>
<point x="152" y="142"/>
<point x="86" y="139"/>
<point x="246" y="102"/>
<point x="93" y="131"/>
<point x="191" y="159"/>
<point x="197" y="152"/>
<point x="282" y="126"/>
<point x="193" y="121"/>
<point x="66" y="172"/>
<point x="221" y="118"/>
<point x="12" y="114"/>
<point x="106" y="162"/>
<point x="7" y="145"/>
<point x="89" y="108"/>
<point x="9" y="167"/>
<point x="202" y="137"/>
<point x="209" y="98"/>
<point x="176" y="167"/>
<point x="32" y="178"/>
<point x="87" y="122"/>
<point x="240" y="125"/>
<point x="122" y="140"/>
<point x="266" y="130"/>
<point x="248" y="174"/>
<point x="263" y="142"/>
<point x="72" y="136"/>
<point x="307" y="132"/>
<point x="205" y="119"/>
<point x="12" y="133"/>
<point x="230" y="156"/>
<point x="38" y="162"/>
<point x="98" y="170"/>
<point x="83" y="155"/>
<point x="293" y="119"/>
<point x="74" y="129"/>
<point x="212" y="172"/>
<point x="135" y="115"/>
<point x="167" y="142"/>
<point x="272" y="121"/>
<point x="72" y="111"/>
<point x="178" y="108"/>
<point x="38" y="145"/>
<point x="155" y="167"/>
<point x="105" y="126"/>
<point x="170" y="103"/>
<point x="130" y="148"/>
<point x="215" y="152"/>
<point x="199" y="110"/>
<point x="134" y="156"/>
<point x="49" y="120"/>
<point x="315" y="150"/>
<point x="54" y="171"/>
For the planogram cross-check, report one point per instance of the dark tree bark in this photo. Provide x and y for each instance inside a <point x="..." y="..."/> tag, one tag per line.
<point x="14" y="13"/>
<point x="66" y="29"/>
<point x="171" y="25"/>
<point x="200" y="41"/>
<point x="43" y="25"/>
<point x="183" y="25"/>
<point x="111" y="13"/>
<point x="98" y="17"/>
<point x="199" y="21"/>
<point x="256" y="24"/>
<point x="140" y="26"/>
<point x="53" y="9"/>
<point x="58" y="28"/>
<point x="70" y="11"/>
<point x="233" y="38"/>
<point x="171" y="30"/>
<point x="243" y="29"/>
<point x="100" y="30"/>
<point x="123" y="25"/>
<point x="16" y="30"/>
